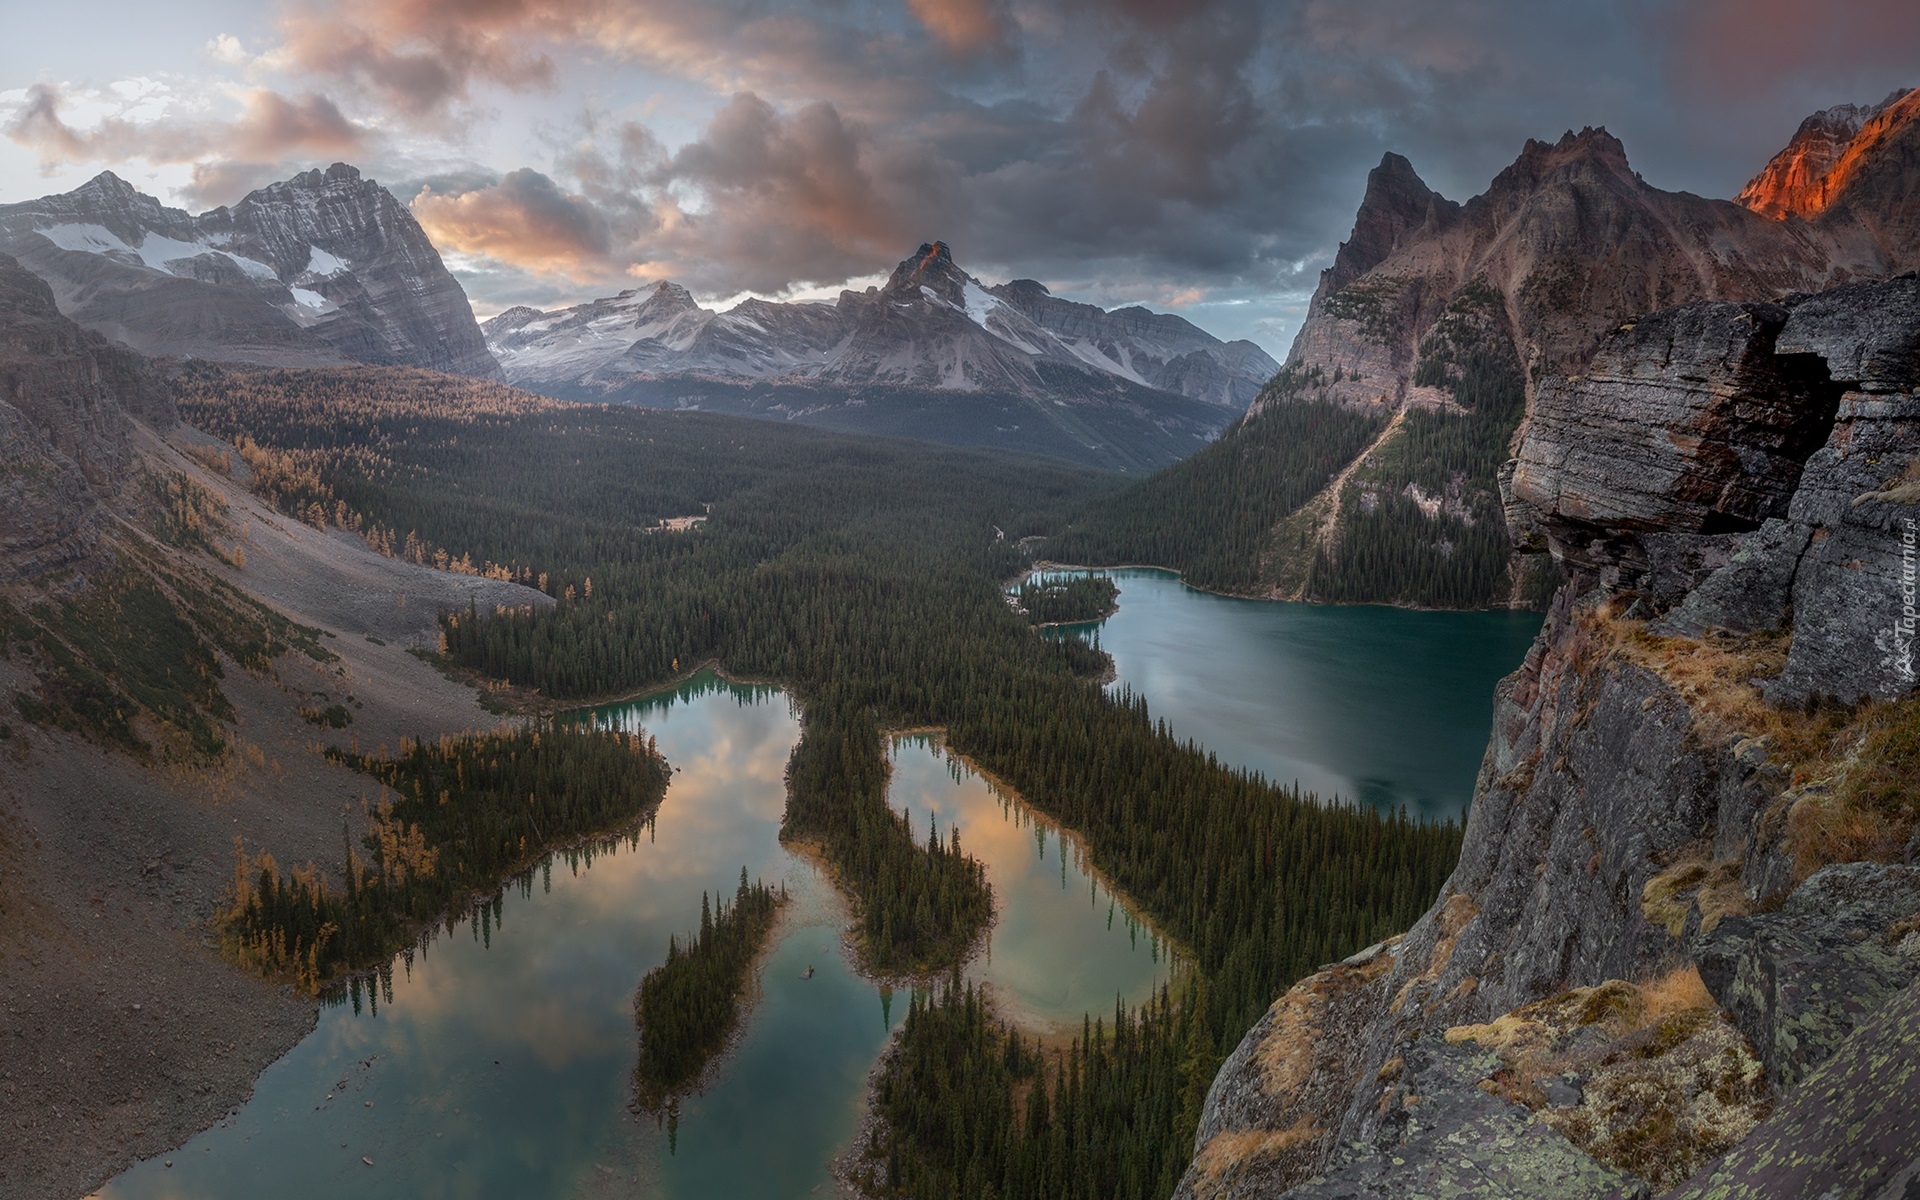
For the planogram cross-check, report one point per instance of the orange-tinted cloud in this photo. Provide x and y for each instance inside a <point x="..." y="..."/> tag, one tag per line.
<point x="964" y="26"/>
<point x="525" y="220"/>
<point x="801" y="197"/>
<point x="419" y="55"/>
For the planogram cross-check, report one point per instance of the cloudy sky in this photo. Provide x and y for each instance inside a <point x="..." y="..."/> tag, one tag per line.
<point x="1204" y="155"/>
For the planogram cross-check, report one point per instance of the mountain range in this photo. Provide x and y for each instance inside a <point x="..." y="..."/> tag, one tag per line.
<point x="1438" y="321"/>
<point x="328" y="267"/>
<point x="931" y="326"/>
<point x="932" y="353"/>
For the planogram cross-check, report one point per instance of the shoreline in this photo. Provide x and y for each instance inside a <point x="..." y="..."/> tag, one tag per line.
<point x="745" y="1004"/>
<point x="1083" y="851"/>
<point x="1049" y="565"/>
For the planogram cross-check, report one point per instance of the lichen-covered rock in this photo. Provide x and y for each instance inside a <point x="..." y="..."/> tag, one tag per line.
<point x="1751" y="592"/>
<point x="1264" y="1128"/>
<point x="1444" y="1136"/>
<point x="1798" y="981"/>
<point x="1652" y="1080"/>
<point x="1851" y="1129"/>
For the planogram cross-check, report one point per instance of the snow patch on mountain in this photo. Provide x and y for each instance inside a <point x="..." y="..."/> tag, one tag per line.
<point x="323" y="264"/>
<point x="371" y="286"/>
<point x="932" y="326"/>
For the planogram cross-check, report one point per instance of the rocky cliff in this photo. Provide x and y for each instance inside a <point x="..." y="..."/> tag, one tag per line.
<point x="68" y="400"/>
<point x="1682" y="946"/>
<point x="326" y="267"/>
<point x="1432" y="308"/>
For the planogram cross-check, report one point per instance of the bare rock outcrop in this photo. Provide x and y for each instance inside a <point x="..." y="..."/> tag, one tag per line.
<point x="1687" y="421"/>
<point x="67" y="403"/>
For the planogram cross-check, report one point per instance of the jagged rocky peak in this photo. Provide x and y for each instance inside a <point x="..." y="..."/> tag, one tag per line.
<point x="1397" y="205"/>
<point x="1590" y="144"/>
<point x="667" y="298"/>
<point x="1804" y="179"/>
<point x="510" y="319"/>
<point x="931" y="267"/>
<point x="1577" y="161"/>
<point x="1023" y="289"/>
<point x="325" y="267"/>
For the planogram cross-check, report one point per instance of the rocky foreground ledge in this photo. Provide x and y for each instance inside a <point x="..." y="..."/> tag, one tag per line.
<point x="1681" y="952"/>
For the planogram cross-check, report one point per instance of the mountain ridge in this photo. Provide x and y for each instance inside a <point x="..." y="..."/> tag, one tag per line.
<point x="933" y="354"/>
<point x="1439" y="321"/>
<point x="323" y="268"/>
<point x="922" y="328"/>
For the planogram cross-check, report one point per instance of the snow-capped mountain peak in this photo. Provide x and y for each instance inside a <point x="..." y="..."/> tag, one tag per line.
<point x="931" y="326"/>
<point x="324" y="267"/>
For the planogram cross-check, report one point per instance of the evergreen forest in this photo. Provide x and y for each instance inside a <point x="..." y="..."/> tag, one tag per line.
<point x="869" y="579"/>
<point x="1060" y="601"/>
<point x="689" y="1005"/>
<point x="454" y="817"/>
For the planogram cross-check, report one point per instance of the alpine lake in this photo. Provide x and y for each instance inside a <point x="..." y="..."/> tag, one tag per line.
<point x="495" y="1059"/>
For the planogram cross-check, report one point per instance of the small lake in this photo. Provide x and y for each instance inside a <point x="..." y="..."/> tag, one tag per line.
<point x="1062" y="944"/>
<point x="498" y="1063"/>
<point x="1388" y="706"/>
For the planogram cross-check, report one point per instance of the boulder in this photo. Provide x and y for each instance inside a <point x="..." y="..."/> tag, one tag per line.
<point x="1798" y="981"/>
<point x="1868" y="335"/>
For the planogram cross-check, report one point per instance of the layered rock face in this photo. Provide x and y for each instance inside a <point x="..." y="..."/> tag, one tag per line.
<point x="326" y="267"/>
<point x="67" y="401"/>
<point x="1676" y="819"/>
<point x="1794" y="422"/>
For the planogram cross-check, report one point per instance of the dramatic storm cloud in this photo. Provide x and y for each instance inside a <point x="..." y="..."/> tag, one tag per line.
<point x="1204" y="153"/>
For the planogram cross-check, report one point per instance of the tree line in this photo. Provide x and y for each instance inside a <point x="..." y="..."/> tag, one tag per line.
<point x="456" y="816"/>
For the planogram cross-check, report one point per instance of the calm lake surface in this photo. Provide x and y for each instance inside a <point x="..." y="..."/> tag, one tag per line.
<point x="498" y="1063"/>
<point x="1384" y="705"/>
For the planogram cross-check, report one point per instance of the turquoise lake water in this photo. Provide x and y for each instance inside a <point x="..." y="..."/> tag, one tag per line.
<point x="1387" y="706"/>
